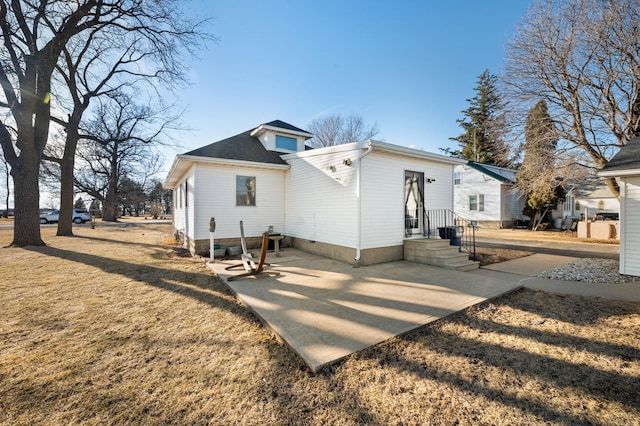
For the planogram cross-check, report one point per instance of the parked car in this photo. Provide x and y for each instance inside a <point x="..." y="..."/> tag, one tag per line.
<point x="607" y="216"/>
<point x="79" y="216"/>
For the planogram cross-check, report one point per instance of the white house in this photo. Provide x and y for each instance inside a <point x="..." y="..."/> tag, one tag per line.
<point x="349" y="202"/>
<point x="591" y="195"/>
<point x="625" y="166"/>
<point x="486" y="194"/>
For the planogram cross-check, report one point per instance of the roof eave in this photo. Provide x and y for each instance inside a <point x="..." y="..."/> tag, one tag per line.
<point x="182" y="163"/>
<point x="412" y="152"/>
<point x="380" y="147"/>
<point x="619" y="173"/>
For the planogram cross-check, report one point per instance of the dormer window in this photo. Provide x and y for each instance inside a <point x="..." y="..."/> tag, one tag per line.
<point x="286" y="143"/>
<point x="272" y="136"/>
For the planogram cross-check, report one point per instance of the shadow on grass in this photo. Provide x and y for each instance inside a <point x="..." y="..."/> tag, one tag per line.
<point x="115" y="241"/>
<point x="577" y="378"/>
<point x="627" y="353"/>
<point x="572" y="309"/>
<point x="156" y="277"/>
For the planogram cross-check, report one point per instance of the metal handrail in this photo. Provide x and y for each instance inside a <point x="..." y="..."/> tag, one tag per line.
<point x="447" y="224"/>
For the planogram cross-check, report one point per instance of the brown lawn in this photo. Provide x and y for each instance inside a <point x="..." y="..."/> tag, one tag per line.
<point x="110" y="327"/>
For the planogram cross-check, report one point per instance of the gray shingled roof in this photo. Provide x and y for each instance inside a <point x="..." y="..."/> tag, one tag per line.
<point x="628" y="158"/>
<point x="283" y="125"/>
<point x="244" y="147"/>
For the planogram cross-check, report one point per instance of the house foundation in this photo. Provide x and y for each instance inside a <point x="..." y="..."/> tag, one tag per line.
<point x="370" y="256"/>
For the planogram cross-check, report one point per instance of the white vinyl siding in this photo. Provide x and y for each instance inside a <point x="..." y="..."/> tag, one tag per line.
<point x="216" y="197"/>
<point x="512" y="203"/>
<point x="321" y="198"/>
<point x="501" y="200"/>
<point x="630" y="226"/>
<point x="183" y="199"/>
<point x="383" y="195"/>
<point x="473" y="184"/>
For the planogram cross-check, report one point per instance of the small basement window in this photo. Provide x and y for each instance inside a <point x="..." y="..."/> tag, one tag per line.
<point x="286" y="143"/>
<point x="245" y="190"/>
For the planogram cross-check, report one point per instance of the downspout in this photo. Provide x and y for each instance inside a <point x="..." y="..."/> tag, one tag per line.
<point x="359" y="213"/>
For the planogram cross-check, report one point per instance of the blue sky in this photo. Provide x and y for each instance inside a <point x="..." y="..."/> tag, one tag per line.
<point x="407" y="66"/>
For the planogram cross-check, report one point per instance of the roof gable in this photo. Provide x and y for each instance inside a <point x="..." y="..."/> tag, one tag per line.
<point x="590" y="187"/>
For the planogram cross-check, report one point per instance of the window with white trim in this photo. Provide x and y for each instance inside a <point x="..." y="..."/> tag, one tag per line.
<point x="476" y="202"/>
<point x="245" y="190"/>
<point x="457" y="178"/>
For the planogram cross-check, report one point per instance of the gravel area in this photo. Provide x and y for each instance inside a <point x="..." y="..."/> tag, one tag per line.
<point x="602" y="271"/>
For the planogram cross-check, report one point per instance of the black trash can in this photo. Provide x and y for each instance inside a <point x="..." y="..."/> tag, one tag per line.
<point x="446" y="232"/>
<point x="452" y="233"/>
<point x="456" y="240"/>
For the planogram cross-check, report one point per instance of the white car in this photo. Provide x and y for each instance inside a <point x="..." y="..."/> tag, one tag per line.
<point x="79" y="216"/>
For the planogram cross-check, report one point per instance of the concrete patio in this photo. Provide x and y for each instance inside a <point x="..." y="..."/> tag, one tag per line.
<point x="325" y="309"/>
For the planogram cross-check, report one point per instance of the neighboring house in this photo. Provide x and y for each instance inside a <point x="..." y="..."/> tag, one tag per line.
<point x="486" y="195"/>
<point x="593" y="195"/>
<point x="347" y="202"/>
<point x="625" y="166"/>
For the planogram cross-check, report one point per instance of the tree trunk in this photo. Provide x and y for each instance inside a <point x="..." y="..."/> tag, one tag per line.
<point x="65" y="222"/>
<point x="65" y="227"/>
<point x="26" y="230"/>
<point x="538" y="220"/>
<point x="109" y="205"/>
<point x="6" y="170"/>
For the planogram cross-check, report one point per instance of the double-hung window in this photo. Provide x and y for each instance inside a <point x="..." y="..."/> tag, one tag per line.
<point x="476" y="202"/>
<point x="457" y="178"/>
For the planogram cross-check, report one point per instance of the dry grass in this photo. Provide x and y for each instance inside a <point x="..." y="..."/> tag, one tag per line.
<point x="110" y="327"/>
<point x="488" y="256"/>
<point x="545" y="236"/>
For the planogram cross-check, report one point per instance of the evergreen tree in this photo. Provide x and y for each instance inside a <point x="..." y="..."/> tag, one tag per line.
<point x="538" y="178"/>
<point x="484" y="125"/>
<point x="79" y="204"/>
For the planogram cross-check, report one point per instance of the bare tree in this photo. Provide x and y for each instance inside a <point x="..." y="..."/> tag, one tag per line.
<point x="583" y="58"/>
<point x="35" y="35"/>
<point x="335" y="129"/>
<point x="122" y="144"/>
<point x="103" y="62"/>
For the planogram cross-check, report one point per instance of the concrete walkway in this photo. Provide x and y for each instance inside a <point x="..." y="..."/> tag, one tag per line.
<point x="524" y="272"/>
<point x="325" y="309"/>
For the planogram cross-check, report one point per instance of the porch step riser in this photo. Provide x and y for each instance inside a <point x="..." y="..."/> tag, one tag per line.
<point x="438" y="253"/>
